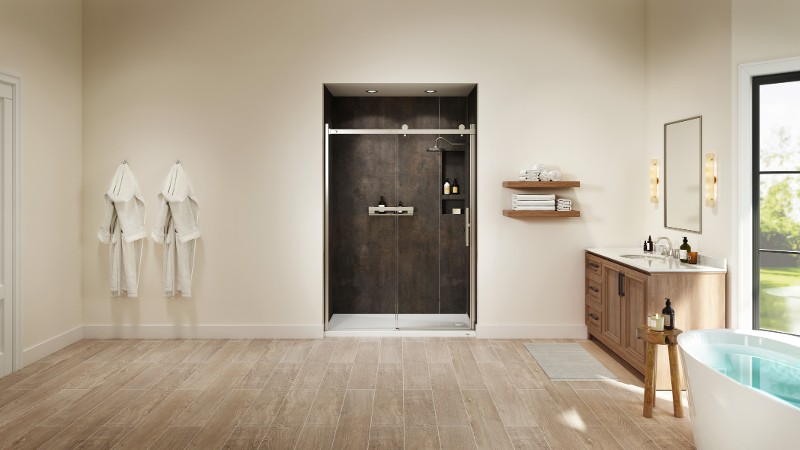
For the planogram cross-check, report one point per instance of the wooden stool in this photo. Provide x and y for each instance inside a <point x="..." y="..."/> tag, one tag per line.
<point x="670" y="339"/>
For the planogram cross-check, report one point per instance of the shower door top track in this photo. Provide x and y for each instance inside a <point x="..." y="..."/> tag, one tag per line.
<point x="400" y="131"/>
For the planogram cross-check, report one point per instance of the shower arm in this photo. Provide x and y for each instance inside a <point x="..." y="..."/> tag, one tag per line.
<point x="436" y="148"/>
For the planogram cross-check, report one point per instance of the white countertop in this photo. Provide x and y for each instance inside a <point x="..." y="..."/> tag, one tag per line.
<point x="655" y="264"/>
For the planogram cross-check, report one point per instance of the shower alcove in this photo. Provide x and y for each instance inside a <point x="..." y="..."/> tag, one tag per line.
<point x="410" y="266"/>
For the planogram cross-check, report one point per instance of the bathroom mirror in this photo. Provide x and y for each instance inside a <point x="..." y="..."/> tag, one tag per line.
<point x="683" y="174"/>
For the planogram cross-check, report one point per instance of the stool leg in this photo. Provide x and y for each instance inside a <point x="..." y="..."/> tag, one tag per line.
<point x="675" y="379"/>
<point x="649" y="380"/>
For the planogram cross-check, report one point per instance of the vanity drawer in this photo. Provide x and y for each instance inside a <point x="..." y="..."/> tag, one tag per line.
<point x="593" y="266"/>
<point x="593" y="288"/>
<point x="593" y="320"/>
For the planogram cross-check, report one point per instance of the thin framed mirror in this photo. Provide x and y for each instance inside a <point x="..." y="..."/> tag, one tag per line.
<point x="683" y="153"/>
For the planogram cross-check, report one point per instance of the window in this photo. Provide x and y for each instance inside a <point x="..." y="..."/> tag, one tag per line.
<point x="776" y="202"/>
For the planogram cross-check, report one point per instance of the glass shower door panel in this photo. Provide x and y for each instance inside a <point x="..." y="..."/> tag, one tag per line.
<point x="363" y="248"/>
<point x="418" y="236"/>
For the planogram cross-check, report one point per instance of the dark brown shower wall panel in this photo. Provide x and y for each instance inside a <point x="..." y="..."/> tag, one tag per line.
<point x="386" y="112"/>
<point x="363" y="272"/>
<point x="418" y="236"/>
<point x="454" y="265"/>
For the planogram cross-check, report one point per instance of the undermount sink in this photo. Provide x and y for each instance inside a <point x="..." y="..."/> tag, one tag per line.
<point x="644" y="256"/>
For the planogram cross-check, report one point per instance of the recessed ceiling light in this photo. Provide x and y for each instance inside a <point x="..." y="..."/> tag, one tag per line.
<point x="372" y="91"/>
<point x="430" y="91"/>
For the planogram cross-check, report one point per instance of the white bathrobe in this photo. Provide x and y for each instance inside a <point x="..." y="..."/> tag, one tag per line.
<point x="177" y="229"/>
<point x="123" y="229"/>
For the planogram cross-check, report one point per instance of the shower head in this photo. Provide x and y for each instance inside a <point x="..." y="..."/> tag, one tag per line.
<point x="436" y="148"/>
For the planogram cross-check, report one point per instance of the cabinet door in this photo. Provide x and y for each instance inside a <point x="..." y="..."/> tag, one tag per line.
<point x="613" y="293"/>
<point x="635" y="313"/>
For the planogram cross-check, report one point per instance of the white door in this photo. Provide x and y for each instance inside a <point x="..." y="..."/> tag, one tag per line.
<point x="6" y="201"/>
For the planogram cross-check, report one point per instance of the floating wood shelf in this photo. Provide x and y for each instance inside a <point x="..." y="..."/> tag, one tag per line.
<point x="541" y="184"/>
<point x="512" y="213"/>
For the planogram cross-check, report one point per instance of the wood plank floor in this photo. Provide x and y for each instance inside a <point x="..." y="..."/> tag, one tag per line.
<point x="333" y="393"/>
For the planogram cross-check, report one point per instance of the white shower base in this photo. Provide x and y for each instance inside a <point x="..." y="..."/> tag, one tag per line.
<point x="408" y="324"/>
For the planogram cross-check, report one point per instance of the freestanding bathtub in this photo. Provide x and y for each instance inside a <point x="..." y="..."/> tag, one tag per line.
<point x="744" y="388"/>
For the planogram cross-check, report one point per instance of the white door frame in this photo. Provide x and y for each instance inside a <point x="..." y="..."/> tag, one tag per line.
<point x="743" y="236"/>
<point x="11" y="194"/>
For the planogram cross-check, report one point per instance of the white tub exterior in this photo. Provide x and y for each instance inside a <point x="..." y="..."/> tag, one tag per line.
<point x="727" y="414"/>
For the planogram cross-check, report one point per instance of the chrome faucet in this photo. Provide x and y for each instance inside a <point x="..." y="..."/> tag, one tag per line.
<point x="669" y="251"/>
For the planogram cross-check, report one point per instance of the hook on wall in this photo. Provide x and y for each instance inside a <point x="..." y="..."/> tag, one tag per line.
<point x="178" y="161"/>
<point x="124" y="162"/>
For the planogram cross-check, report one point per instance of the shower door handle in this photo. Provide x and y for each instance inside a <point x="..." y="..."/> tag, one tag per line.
<point x="466" y="226"/>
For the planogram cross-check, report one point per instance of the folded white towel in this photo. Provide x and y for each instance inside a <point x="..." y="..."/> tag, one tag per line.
<point x="533" y="196"/>
<point x="533" y="208"/>
<point x="533" y="202"/>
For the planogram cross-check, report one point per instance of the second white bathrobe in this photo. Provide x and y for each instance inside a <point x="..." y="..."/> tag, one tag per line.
<point x="177" y="229"/>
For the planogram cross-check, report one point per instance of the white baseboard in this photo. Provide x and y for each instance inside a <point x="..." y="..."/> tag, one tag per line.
<point x="52" y="345"/>
<point x="531" y="331"/>
<point x="202" y="331"/>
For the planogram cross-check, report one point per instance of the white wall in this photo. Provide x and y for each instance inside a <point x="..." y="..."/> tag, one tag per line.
<point x="40" y="41"/>
<point x="234" y="90"/>
<point x="689" y="74"/>
<point x="765" y="30"/>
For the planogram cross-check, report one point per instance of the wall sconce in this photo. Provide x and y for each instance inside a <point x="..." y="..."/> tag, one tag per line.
<point x="711" y="179"/>
<point x="654" y="180"/>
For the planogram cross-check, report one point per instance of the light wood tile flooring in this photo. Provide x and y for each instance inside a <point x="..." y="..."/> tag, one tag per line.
<point x="333" y="393"/>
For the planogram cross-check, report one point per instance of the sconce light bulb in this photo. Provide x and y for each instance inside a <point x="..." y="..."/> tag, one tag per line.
<point x="711" y="179"/>
<point x="654" y="180"/>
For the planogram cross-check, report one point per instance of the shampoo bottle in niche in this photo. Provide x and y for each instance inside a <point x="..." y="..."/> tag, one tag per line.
<point x="685" y="248"/>
<point x="669" y="316"/>
<point x="446" y="189"/>
<point x="454" y="189"/>
<point x="381" y="204"/>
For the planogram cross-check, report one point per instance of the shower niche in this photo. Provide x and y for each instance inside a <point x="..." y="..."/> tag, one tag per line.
<point x="388" y="270"/>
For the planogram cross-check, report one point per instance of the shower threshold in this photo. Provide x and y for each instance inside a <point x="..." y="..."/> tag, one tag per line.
<point x="407" y="325"/>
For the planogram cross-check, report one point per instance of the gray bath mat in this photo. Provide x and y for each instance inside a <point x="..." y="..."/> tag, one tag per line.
<point x="568" y="362"/>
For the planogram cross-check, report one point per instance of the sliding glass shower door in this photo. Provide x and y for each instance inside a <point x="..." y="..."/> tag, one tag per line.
<point x="405" y="266"/>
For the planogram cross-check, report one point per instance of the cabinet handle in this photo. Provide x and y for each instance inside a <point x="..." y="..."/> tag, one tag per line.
<point x="593" y="316"/>
<point x="594" y="265"/>
<point x="594" y="289"/>
<point x="620" y="282"/>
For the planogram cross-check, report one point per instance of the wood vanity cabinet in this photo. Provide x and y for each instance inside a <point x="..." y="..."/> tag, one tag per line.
<point x="619" y="298"/>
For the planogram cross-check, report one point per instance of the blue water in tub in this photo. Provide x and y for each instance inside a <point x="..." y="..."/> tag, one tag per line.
<point x="768" y="371"/>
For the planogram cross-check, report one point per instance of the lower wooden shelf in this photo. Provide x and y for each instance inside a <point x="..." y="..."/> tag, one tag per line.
<point x="512" y="213"/>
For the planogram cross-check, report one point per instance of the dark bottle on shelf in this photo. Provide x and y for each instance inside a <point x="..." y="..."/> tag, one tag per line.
<point x="382" y="201"/>
<point x="649" y="243"/>
<point x="685" y="248"/>
<point x="455" y="189"/>
<point x="669" y="316"/>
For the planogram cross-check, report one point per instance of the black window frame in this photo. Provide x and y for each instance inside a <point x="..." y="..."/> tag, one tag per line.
<point x="757" y="82"/>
